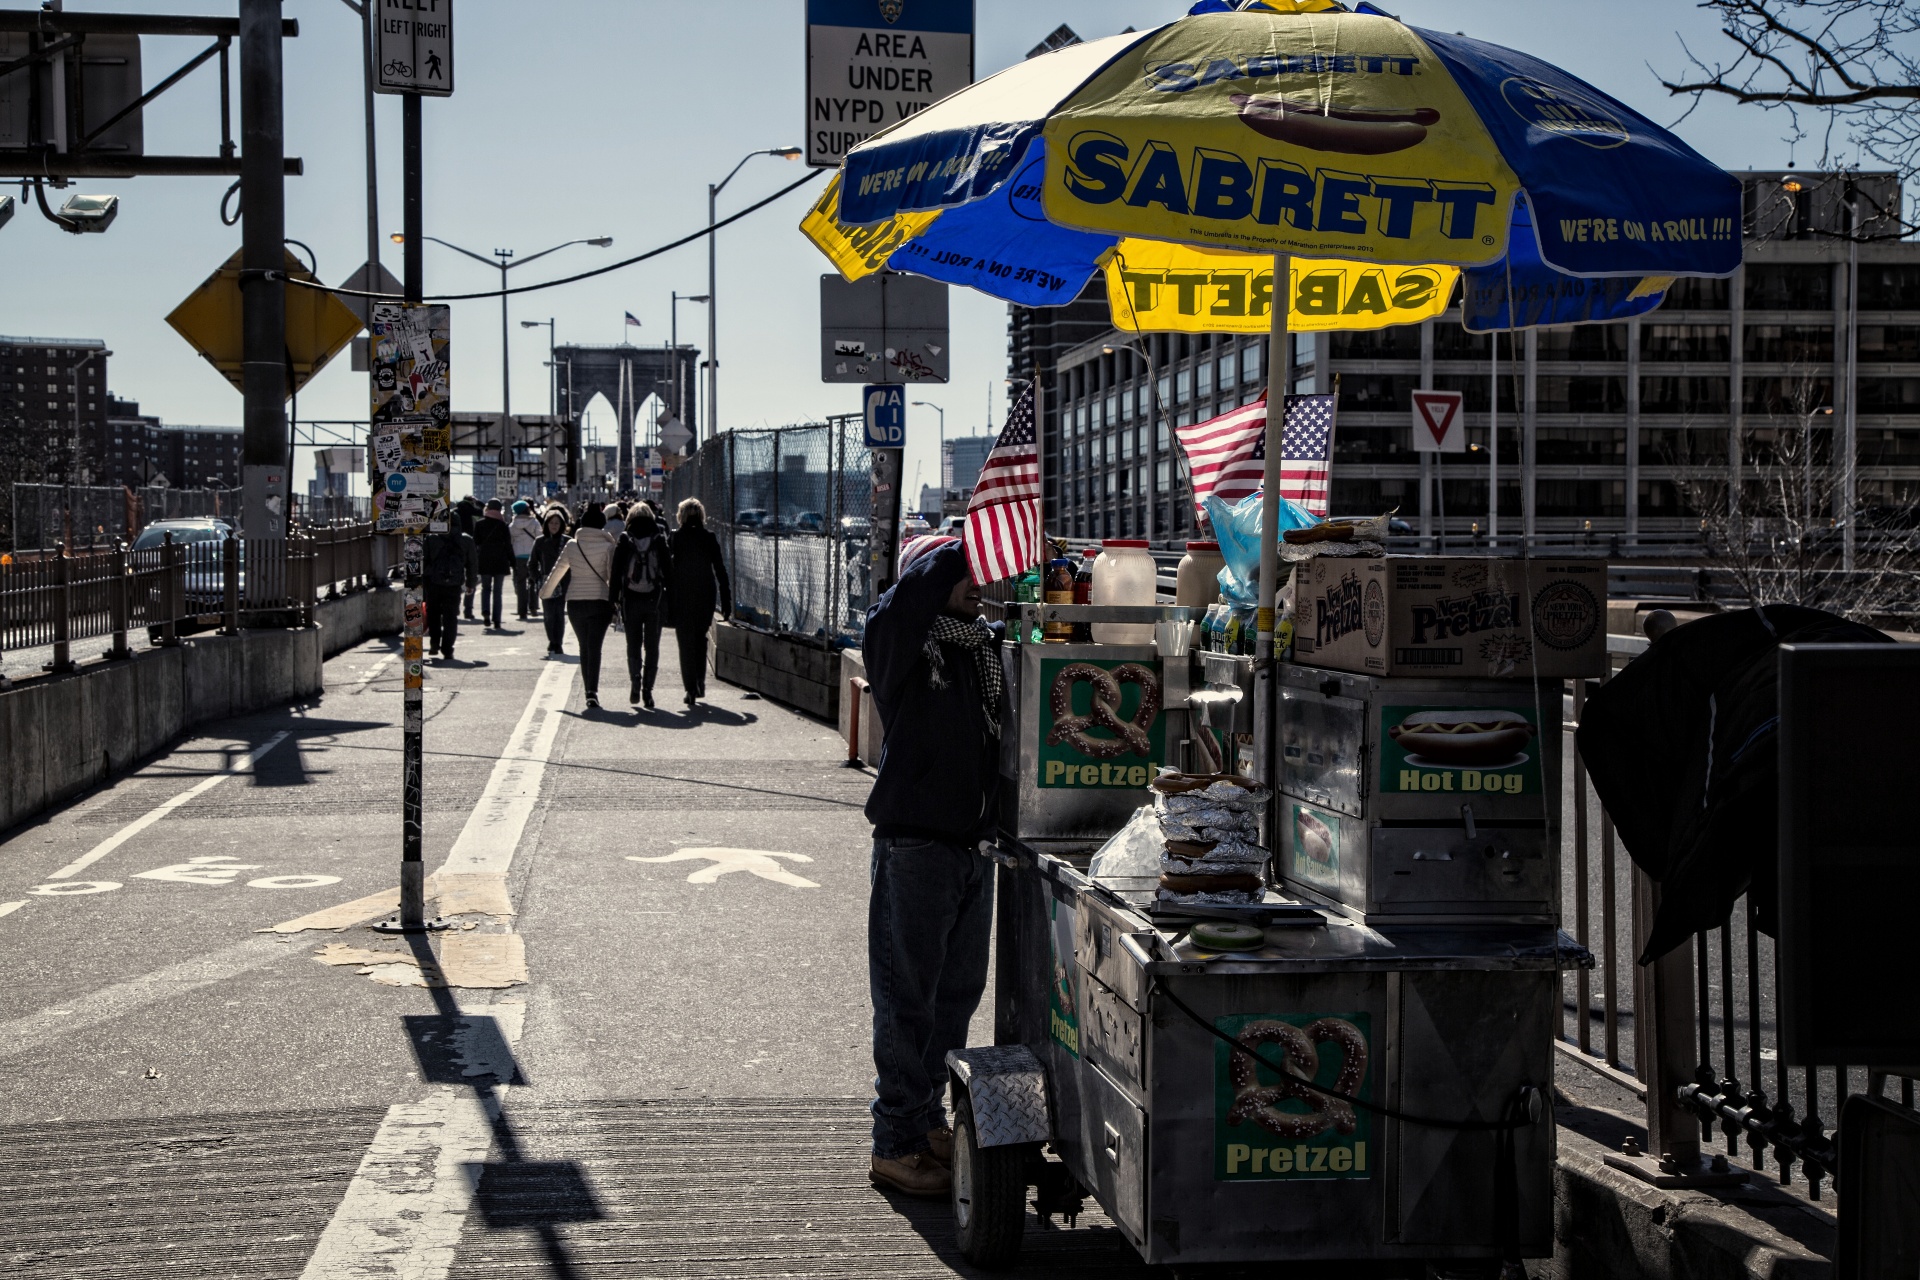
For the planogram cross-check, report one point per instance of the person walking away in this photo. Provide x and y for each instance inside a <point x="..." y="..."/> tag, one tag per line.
<point x="524" y="529"/>
<point x="641" y="569"/>
<point x="934" y="667"/>
<point x="494" y="542"/>
<point x="699" y="584"/>
<point x="585" y="572"/>
<point x="465" y="515"/>
<point x="616" y="519"/>
<point x="540" y="562"/>
<point x="449" y="568"/>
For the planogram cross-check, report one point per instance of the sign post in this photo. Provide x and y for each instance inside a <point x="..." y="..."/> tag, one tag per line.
<point x="873" y="63"/>
<point x="412" y="452"/>
<point x="1439" y="427"/>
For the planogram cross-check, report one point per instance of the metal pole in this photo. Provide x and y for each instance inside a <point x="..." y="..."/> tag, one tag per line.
<point x="1493" y="447"/>
<point x="412" y="870"/>
<point x="1279" y="374"/>
<point x="367" y="8"/>
<point x="1849" y="421"/>
<point x="713" y="321"/>
<point x="263" y="236"/>
<point x="507" y="457"/>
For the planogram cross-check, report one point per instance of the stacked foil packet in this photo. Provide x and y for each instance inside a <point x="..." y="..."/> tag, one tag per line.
<point x="1211" y="825"/>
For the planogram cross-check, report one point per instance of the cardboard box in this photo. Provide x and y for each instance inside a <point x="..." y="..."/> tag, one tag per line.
<point x="1441" y="616"/>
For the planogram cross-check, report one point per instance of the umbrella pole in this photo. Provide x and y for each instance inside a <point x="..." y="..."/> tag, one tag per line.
<point x="1279" y="375"/>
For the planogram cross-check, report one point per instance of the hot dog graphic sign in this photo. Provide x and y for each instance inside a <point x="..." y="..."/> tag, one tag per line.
<point x="1100" y="724"/>
<point x="1460" y="749"/>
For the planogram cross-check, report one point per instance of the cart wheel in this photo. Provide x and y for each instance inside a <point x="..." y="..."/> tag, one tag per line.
<point x="989" y="1194"/>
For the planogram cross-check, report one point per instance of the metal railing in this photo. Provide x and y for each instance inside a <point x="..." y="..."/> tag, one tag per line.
<point x="1695" y="1034"/>
<point x="56" y="599"/>
<point x="88" y="517"/>
<point x="791" y="506"/>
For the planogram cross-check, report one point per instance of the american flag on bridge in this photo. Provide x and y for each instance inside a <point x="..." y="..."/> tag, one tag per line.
<point x="1227" y="455"/>
<point x="1003" y="518"/>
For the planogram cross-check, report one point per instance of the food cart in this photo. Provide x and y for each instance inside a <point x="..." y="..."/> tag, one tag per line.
<point x="1406" y="967"/>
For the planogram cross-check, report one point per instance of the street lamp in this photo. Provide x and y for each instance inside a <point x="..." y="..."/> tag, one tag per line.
<point x="679" y="392"/>
<point x="927" y="404"/>
<point x="500" y="259"/>
<point x="713" y="288"/>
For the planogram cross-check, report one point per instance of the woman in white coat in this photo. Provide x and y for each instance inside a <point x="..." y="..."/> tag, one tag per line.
<point x="583" y="576"/>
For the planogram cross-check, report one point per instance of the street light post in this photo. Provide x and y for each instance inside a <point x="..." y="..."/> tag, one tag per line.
<point x="1145" y="352"/>
<point x="679" y="390"/>
<point x="501" y="259"/>
<point x="553" y="385"/>
<point x="713" y="284"/>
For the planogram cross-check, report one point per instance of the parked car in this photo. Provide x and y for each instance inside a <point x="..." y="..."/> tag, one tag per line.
<point x="809" y="522"/>
<point x="913" y="527"/>
<point x="953" y="527"/>
<point x="202" y="542"/>
<point x="752" y="518"/>
<point x="856" y="528"/>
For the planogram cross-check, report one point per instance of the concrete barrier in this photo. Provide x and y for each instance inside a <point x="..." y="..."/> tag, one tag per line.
<point x="804" y="676"/>
<point x="61" y="735"/>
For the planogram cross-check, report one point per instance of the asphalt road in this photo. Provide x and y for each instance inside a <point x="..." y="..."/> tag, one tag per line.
<point x="676" y="1004"/>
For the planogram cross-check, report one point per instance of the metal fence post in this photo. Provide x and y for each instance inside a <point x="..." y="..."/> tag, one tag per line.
<point x="62" y="610"/>
<point x="170" y="593"/>
<point x="230" y="585"/>
<point x="1664" y="1038"/>
<point x="774" y="515"/>
<point x="122" y="589"/>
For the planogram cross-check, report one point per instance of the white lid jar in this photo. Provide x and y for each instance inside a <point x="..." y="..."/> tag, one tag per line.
<point x="1124" y="574"/>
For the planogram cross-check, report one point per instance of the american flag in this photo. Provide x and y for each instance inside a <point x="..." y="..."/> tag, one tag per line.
<point x="1003" y="518"/>
<point x="1227" y="455"/>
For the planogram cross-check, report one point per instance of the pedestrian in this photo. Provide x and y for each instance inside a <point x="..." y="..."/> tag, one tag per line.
<point x="450" y="566"/>
<point x="642" y="567"/>
<point x="616" y="519"/>
<point x="545" y="554"/>
<point x="465" y="515"/>
<point x="494" y="542"/>
<point x="524" y="529"/>
<point x="586" y="566"/>
<point x="933" y="664"/>
<point x="699" y="584"/>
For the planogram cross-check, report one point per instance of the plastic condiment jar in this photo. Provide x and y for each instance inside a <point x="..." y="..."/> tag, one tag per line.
<point x="1197" y="582"/>
<point x="1124" y="574"/>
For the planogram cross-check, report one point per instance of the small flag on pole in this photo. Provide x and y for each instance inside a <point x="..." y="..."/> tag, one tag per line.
<point x="633" y="320"/>
<point x="1003" y="518"/>
<point x="1227" y="455"/>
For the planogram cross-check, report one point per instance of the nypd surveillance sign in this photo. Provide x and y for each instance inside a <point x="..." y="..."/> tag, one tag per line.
<point x="873" y="63"/>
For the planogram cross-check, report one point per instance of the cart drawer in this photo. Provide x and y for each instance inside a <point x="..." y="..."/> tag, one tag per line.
<point x="1116" y="1152"/>
<point x="1440" y="870"/>
<point x="1113" y="1037"/>
<point x="1106" y="946"/>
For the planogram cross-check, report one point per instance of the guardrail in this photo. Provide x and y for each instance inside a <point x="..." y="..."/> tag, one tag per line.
<point x="59" y="598"/>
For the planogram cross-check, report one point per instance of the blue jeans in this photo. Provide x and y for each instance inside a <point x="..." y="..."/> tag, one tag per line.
<point x="928" y="920"/>
<point x="492" y="589"/>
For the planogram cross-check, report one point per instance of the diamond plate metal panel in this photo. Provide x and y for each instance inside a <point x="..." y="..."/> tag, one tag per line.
<point x="1008" y="1088"/>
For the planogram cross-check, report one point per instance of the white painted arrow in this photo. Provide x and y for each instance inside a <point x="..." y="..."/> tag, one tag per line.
<point x="759" y="862"/>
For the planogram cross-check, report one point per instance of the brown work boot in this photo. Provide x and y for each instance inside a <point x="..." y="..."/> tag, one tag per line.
<point x="940" y="1145"/>
<point x="916" y="1175"/>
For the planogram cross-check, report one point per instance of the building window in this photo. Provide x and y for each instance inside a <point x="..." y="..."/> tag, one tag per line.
<point x="1685" y="342"/>
<point x="1889" y="288"/>
<point x="1889" y="395"/>
<point x="1400" y="342"/>
<point x="1889" y="342"/>
<point x="1789" y="343"/>
<point x="1683" y="395"/>
<point x="1695" y="293"/>
<point x="1790" y="286"/>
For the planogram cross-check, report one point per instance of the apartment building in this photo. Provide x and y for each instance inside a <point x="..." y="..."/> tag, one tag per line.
<point x="1601" y="426"/>
<point x="53" y="407"/>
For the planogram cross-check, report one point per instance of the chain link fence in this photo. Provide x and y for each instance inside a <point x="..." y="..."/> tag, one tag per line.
<point x="47" y="515"/>
<point x="792" y="508"/>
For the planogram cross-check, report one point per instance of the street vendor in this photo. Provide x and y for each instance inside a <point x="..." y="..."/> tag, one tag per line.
<point x="933" y="664"/>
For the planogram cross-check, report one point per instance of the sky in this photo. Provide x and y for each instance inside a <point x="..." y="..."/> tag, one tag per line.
<point x="582" y="118"/>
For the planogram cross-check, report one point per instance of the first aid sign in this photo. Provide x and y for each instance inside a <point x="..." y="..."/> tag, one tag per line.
<point x="885" y="411"/>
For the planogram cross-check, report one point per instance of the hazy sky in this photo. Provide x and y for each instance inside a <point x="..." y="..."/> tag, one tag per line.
<point x="578" y="118"/>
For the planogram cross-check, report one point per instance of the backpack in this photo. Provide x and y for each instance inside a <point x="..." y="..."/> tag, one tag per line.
<point x="446" y="561"/>
<point x="641" y="579"/>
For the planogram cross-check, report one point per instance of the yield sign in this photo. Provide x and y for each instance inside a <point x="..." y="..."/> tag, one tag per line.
<point x="1438" y="424"/>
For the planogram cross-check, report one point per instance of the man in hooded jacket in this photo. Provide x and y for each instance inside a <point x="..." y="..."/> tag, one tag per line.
<point x="933" y="664"/>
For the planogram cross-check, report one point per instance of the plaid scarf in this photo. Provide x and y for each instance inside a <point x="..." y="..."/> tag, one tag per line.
<point x="977" y="637"/>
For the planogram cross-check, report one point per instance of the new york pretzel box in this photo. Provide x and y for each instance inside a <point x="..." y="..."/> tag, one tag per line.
<point x="1452" y="616"/>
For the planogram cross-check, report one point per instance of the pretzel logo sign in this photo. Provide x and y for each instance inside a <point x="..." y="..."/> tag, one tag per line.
<point x="1128" y="735"/>
<point x="1288" y="1128"/>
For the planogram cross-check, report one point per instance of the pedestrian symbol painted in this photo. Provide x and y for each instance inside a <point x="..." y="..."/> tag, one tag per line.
<point x="757" y="862"/>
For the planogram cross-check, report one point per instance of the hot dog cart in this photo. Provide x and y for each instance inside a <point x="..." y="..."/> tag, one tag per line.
<point x="1405" y="966"/>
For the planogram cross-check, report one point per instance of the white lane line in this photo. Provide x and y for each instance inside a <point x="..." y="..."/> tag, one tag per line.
<point x="27" y="1033"/>
<point x="402" y="1214"/>
<point x="147" y="819"/>
<point x="8" y="908"/>
<point x="372" y="671"/>
<point x="486" y="844"/>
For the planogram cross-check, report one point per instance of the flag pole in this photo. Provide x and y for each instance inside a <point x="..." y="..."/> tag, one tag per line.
<point x="1279" y="374"/>
<point x="1040" y="479"/>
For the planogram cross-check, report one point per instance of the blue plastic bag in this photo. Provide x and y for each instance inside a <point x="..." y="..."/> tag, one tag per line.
<point x="1237" y="529"/>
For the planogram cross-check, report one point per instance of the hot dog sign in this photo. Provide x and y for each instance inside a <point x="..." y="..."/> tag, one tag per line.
<point x="1486" y="750"/>
<point x="1100" y="724"/>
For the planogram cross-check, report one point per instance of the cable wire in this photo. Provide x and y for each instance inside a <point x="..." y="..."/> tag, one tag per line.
<point x="550" y="284"/>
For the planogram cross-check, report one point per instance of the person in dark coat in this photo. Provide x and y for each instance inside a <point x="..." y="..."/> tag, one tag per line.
<point x="933" y="664"/>
<point x="540" y="562"/>
<point x="698" y="585"/>
<point x="465" y="514"/>
<point x="642" y="567"/>
<point x="449" y="566"/>
<point x="493" y="539"/>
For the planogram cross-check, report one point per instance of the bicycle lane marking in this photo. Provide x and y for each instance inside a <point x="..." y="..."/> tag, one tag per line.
<point x="160" y="811"/>
<point x="403" y="1212"/>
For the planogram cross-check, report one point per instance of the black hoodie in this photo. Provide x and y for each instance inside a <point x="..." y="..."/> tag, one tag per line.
<point x="939" y="765"/>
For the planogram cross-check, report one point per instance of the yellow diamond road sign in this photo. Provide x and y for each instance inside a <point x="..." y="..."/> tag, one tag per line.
<point x="319" y="325"/>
